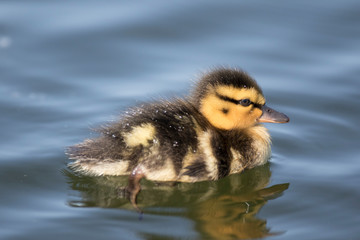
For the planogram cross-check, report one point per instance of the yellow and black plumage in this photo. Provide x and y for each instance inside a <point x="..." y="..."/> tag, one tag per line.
<point x="214" y="132"/>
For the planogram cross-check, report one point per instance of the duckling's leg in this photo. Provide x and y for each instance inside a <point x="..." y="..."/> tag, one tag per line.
<point x="134" y="187"/>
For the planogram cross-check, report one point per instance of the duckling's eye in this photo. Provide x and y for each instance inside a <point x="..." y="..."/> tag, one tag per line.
<point x="245" y="102"/>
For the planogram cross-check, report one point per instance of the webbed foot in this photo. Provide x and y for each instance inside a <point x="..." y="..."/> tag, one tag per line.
<point x="134" y="187"/>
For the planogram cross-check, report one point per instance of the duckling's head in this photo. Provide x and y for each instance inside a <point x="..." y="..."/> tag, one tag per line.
<point x="230" y="99"/>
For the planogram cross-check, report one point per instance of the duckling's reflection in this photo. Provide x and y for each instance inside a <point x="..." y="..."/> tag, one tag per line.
<point x="231" y="214"/>
<point x="224" y="209"/>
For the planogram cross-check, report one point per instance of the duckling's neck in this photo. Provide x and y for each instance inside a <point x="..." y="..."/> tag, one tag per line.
<point x="249" y="147"/>
<point x="261" y="144"/>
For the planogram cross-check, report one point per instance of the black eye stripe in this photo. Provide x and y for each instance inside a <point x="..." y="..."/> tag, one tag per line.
<point x="257" y="105"/>
<point x="225" y="98"/>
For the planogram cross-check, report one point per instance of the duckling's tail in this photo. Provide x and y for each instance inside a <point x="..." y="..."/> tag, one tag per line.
<point x="97" y="157"/>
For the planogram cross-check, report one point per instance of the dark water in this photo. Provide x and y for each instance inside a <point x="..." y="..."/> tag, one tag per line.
<point x="67" y="66"/>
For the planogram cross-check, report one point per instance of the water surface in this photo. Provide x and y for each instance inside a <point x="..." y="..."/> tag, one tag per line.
<point x="66" y="67"/>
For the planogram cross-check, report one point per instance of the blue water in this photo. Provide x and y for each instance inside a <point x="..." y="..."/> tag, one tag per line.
<point x="69" y="66"/>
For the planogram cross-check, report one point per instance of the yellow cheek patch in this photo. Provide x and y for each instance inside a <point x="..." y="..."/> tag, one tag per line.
<point x="243" y="93"/>
<point x="256" y="113"/>
<point x="211" y="108"/>
<point x="140" y="135"/>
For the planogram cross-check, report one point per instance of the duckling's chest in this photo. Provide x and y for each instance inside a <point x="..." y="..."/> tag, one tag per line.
<point x="221" y="154"/>
<point x="251" y="150"/>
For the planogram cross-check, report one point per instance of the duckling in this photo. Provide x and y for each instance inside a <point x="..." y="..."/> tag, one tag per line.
<point x="214" y="132"/>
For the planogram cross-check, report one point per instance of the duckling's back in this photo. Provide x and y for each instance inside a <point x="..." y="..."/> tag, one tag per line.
<point x="158" y="136"/>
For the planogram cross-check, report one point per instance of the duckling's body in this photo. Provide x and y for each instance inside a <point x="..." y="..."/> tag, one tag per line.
<point x="172" y="142"/>
<point x="213" y="133"/>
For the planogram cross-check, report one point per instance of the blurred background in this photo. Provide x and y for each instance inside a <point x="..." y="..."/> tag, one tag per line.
<point x="69" y="66"/>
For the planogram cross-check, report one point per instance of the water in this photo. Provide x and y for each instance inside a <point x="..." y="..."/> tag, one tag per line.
<point x="66" y="67"/>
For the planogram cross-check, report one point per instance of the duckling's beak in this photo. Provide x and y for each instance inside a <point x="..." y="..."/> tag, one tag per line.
<point x="271" y="116"/>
